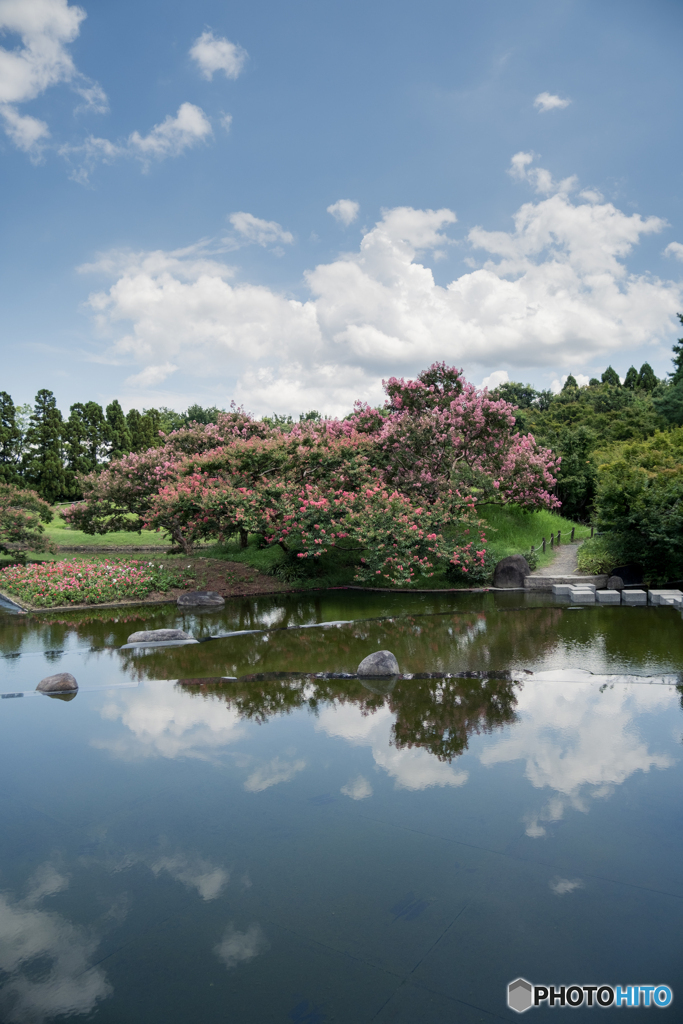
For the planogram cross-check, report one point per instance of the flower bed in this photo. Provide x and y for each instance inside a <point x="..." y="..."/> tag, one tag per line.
<point x="58" y="583"/>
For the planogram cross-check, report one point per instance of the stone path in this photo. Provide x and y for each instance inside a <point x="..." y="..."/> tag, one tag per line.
<point x="564" y="563"/>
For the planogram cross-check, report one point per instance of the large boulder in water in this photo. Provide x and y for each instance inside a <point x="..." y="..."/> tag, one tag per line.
<point x="381" y="663"/>
<point x="201" y="599"/>
<point x="511" y="572"/>
<point x="152" y="636"/>
<point x="62" y="682"/>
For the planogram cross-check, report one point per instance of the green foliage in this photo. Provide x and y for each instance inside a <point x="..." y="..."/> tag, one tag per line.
<point x="22" y="515"/>
<point x="10" y="440"/>
<point x="119" y="435"/>
<point x="611" y="376"/>
<point x="600" y="554"/>
<point x="479" y="575"/>
<point x="631" y="378"/>
<point x="570" y="383"/>
<point x="43" y="462"/>
<point x="646" y="378"/>
<point x="86" y="442"/>
<point x="639" y="500"/>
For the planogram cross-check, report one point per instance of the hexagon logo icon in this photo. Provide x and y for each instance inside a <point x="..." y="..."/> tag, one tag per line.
<point x="520" y="995"/>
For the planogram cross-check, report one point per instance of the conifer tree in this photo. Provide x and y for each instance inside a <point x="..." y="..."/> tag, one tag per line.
<point x="646" y="378"/>
<point x="610" y="376"/>
<point x="119" y="434"/>
<point x="10" y="440"/>
<point x="43" y="463"/>
<point x="631" y="378"/>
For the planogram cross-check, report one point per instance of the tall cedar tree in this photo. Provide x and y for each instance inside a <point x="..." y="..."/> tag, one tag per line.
<point x="86" y="436"/>
<point x="10" y="440"/>
<point x="43" y="463"/>
<point x="119" y="434"/>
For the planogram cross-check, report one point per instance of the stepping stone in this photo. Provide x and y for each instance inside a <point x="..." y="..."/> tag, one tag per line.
<point x="656" y="596"/>
<point x="581" y="596"/>
<point x="608" y="597"/>
<point x="201" y="599"/>
<point x="634" y="597"/>
<point x="145" y="636"/>
<point x="62" y="682"/>
<point x="381" y="663"/>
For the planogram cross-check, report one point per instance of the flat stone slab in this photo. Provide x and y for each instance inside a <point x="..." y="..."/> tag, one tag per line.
<point x="152" y="635"/>
<point x="608" y="596"/>
<point x="62" y="682"/>
<point x="201" y="599"/>
<point x="634" y="597"/>
<point x="582" y="596"/>
<point x="657" y="596"/>
<point x="381" y="663"/>
<point x="536" y="582"/>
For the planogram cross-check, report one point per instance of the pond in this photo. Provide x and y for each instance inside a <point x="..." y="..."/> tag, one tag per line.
<point x="233" y="832"/>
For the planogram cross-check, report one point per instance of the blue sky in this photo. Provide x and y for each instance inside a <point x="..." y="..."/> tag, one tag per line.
<point x="509" y="177"/>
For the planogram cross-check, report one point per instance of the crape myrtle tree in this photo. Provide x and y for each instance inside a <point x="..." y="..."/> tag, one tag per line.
<point x="398" y="486"/>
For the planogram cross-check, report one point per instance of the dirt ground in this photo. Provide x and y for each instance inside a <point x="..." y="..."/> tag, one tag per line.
<point x="232" y="579"/>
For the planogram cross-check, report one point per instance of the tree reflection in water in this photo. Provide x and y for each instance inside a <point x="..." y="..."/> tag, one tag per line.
<point x="437" y="714"/>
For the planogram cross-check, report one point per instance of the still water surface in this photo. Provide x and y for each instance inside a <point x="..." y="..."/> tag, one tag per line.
<point x="177" y="846"/>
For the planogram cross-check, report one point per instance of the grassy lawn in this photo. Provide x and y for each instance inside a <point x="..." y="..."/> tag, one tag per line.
<point x="59" y="532"/>
<point x="512" y="531"/>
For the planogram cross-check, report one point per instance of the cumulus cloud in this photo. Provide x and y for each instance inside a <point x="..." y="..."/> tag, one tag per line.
<point x="162" y="722"/>
<point x="577" y="742"/>
<point x="174" y="135"/>
<point x="344" y="211"/>
<point x="495" y="379"/>
<point x="195" y="873"/>
<point x="412" y="768"/>
<point x="547" y="101"/>
<point x="46" y="28"/>
<point x="263" y="232"/>
<point x="553" y="291"/>
<point x="358" y="788"/>
<point x="272" y="774"/>
<point x="674" y="249"/>
<point x="237" y="947"/>
<point x="47" y="962"/>
<point x="520" y="169"/>
<point x="215" y="53"/>
<point x="563" y="886"/>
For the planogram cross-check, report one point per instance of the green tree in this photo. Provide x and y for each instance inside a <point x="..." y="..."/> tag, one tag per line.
<point x="143" y="429"/>
<point x="22" y="514"/>
<point x="570" y="384"/>
<point x="86" y="437"/>
<point x="119" y="435"/>
<point x="43" y="463"/>
<point x="197" y="414"/>
<point x="10" y="440"/>
<point x="677" y="374"/>
<point x="521" y="395"/>
<point x="631" y="378"/>
<point x="610" y="376"/>
<point x="646" y="378"/>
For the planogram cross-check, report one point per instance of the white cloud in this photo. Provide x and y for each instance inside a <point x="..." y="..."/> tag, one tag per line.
<point x="562" y="886"/>
<point x="214" y="53"/>
<point x="272" y="774"/>
<point x="577" y="741"/>
<point x="162" y="722"/>
<point x="412" y="768"/>
<point x="344" y="211"/>
<point x="175" y="134"/>
<point x="520" y="169"/>
<point x="26" y="132"/>
<point x="195" y="873"/>
<point x="495" y="379"/>
<point x="263" y="232"/>
<point x="237" y="947"/>
<point x="358" y="788"/>
<point x="46" y="27"/>
<point x="674" y="249"/>
<point x="554" y="291"/>
<point x="151" y="375"/>
<point x="547" y="101"/>
<point x="226" y="121"/>
<point x="65" y="981"/>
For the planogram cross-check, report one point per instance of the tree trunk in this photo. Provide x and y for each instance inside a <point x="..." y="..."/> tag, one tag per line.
<point x="244" y="538"/>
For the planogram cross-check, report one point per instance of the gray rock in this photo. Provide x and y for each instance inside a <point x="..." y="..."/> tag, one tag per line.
<point x="201" y="599"/>
<point x="615" y="583"/>
<point x="153" y="635"/>
<point x="511" y="572"/>
<point x="381" y="663"/>
<point x="62" y="682"/>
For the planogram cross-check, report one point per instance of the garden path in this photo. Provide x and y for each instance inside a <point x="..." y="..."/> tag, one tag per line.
<point x="564" y="563"/>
